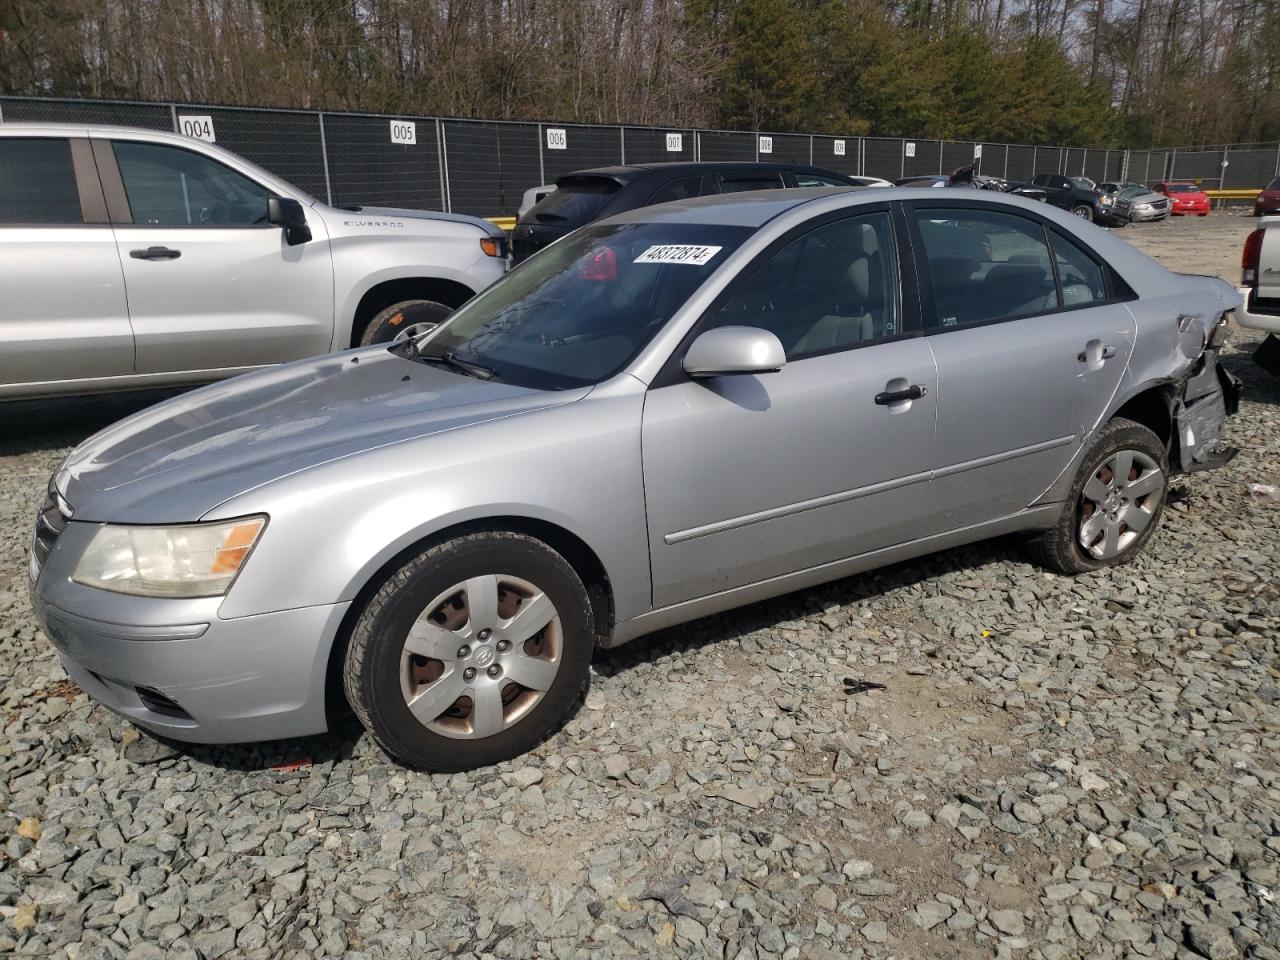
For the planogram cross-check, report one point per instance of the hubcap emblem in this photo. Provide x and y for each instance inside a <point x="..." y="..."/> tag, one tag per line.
<point x="484" y="656"/>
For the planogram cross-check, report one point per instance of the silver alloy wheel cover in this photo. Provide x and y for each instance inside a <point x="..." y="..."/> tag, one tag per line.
<point x="1114" y="508"/>
<point x="491" y="645"/>
<point x="1082" y="212"/>
<point x="416" y="329"/>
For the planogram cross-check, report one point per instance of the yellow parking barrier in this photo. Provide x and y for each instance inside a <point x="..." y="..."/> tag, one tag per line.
<point x="506" y="223"/>
<point x="1233" y="194"/>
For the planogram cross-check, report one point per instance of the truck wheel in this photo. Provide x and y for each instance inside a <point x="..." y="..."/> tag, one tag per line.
<point x="471" y="653"/>
<point x="1114" y="504"/>
<point x="404" y="319"/>
<point x="1083" y="211"/>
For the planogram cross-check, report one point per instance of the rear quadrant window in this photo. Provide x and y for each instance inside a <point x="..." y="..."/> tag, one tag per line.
<point x="37" y="182"/>
<point x="1081" y="277"/>
<point x="575" y="201"/>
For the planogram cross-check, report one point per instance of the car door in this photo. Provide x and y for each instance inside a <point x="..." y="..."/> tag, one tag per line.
<point x="1031" y="338"/>
<point x="211" y="284"/>
<point x="63" y="314"/>
<point x="749" y="477"/>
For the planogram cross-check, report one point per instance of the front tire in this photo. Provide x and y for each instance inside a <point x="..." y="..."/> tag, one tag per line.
<point x="471" y="653"/>
<point x="1114" y="504"/>
<point x="405" y="319"/>
<point x="1083" y="211"/>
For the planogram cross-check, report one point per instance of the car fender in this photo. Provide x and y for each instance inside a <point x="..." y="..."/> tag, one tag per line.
<point x="381" y="502"/>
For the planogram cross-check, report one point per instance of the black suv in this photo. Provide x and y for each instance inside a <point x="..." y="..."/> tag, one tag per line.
<point x="587" y="195"/>
<point x="1085" y="201"/>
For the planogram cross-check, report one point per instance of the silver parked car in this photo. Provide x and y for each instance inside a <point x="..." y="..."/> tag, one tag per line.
<point x="668" y="413"/>
<point x="134" y="258"/>
<point x="1146" y="204"/>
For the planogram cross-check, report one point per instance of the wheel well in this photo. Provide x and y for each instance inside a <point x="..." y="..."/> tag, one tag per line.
<point x="380" y="296"/>
<point x="579" y="556"/>
<point x="1152" y="409"/>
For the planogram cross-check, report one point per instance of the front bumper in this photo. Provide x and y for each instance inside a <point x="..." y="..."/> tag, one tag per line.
<point x="1146" y="216"/>
<point x="177" y="668"/>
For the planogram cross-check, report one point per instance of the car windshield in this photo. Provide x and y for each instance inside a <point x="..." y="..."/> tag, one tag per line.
<point x="582" y="309"/>
<point x="1128" y="193"/>
<point x="575" y="201"/>
<point x="1182" y="188"/>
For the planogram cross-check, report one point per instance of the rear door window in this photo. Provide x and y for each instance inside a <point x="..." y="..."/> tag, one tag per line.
<point x="681" y="189"/>
<point x="817" y="180"/>
<point x="985" y="265"/>
<point x="37" y="182"/>
<point x="754" y="181"/>
<point x="575" y="201"/>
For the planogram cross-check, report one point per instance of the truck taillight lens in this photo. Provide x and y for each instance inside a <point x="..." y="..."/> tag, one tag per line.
<point x="1249" y="260"/>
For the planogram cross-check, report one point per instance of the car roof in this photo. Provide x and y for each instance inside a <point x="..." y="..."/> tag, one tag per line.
<point x="24" y="128"/>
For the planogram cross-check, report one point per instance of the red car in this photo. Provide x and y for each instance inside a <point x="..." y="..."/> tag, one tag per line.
<point x="1268" y="201"/>
<point x="1186" y="198"/>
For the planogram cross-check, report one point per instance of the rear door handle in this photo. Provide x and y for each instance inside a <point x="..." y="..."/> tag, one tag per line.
<point x="1106" y="354"/>
<point x="913" y="392"/>
<point x="155" y="253"/>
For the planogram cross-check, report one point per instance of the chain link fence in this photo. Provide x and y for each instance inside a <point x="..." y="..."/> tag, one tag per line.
<point x="483" y="167"/>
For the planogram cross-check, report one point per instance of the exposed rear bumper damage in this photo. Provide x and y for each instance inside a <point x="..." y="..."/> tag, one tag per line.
<point x="1209" y="396"/>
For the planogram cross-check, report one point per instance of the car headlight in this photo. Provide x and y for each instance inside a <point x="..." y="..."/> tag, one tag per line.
<point x="1106" y="200"/>
<point x="192" y="560"/>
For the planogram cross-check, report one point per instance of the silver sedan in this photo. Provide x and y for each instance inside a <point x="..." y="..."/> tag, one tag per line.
<point x="670" y="413"/>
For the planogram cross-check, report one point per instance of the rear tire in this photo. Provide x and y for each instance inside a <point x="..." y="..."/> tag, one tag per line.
<point x="403" y="319"/>
<point x="1083" y="211"/>
<point x="1108" y="518"/>
<point x="439" y="668"/>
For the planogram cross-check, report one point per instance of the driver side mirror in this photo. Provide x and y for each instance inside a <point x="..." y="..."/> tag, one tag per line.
<point x="288" y="213"/>
<point x="729" y="350"/>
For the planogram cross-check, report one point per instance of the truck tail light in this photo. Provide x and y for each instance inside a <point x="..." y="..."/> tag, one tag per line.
<point x="1249" y="260"/>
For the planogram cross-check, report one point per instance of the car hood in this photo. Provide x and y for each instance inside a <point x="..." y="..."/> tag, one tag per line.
<point x="176" y="461"/>
<point x="1146" y="198"/>
<point x="403" y="213"/>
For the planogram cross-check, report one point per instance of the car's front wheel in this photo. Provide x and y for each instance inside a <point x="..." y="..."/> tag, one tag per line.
<point x="471" y="653"/>
<point x="406" y="319"/>
<point x="1083" y="211"/>
<point x="1115" y="502"/>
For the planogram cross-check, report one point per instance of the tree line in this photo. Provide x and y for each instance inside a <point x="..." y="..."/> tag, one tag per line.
<point x="1077" y="72"/>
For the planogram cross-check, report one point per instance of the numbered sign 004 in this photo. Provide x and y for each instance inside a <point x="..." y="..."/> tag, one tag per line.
<point x="198" y="127"/>
<point x="404" y="131"/>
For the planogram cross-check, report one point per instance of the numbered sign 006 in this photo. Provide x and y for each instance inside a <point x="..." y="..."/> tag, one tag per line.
<point x="404" y="131"/>
<point x="557" y="139"/>
<point x="198" y="127"/>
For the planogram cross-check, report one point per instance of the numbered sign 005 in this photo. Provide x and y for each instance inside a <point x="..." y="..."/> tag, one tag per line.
<point x="198" y="127"/>
<point x="557" y="139"/>
<point x="404" y="131"/>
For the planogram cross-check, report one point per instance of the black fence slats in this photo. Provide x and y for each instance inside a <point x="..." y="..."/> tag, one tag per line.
<point x="484" y="167"/>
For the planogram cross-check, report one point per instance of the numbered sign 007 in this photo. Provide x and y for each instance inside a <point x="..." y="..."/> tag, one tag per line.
<point x="198" y="127"/>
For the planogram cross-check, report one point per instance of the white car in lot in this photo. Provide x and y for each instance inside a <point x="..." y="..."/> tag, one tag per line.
<point x="1260" y="287"/>
<point x="133" y="258"/>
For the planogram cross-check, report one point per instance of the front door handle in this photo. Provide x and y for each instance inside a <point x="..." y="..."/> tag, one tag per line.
<point x="913" y="392"/>
<point x="155" y="253"/>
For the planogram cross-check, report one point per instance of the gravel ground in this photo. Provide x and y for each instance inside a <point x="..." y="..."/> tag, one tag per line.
<point x="958" y="757"/>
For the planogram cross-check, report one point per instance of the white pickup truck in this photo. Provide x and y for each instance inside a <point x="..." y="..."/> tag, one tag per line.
<point x="133" y="258"/>
<point x="1260" y="287"/>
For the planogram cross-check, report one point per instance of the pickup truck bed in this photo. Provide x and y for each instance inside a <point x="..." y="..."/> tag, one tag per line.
<point x="1260" y="287"/>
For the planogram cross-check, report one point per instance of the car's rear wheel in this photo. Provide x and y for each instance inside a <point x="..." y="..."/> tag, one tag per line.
<point x="1083" y="211"/>
<point x="1115" y="502"/>
<point x="405" y="319"/>
<point x="471" y="653"/>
